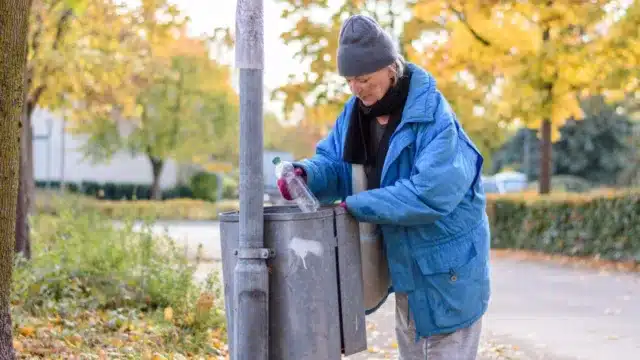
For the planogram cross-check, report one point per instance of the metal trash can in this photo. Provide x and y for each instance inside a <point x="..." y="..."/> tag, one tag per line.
<point x="316" y="306"/>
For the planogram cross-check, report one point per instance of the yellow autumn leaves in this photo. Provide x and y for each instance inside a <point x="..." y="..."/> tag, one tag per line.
<point x="203" y="306"/>
<point x="531" y="60"/>
<point x="144" y="337"/>
<point x="539" y="63"/>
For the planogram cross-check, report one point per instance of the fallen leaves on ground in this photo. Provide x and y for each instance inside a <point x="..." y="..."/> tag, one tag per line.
<point x="490" y="350"/>
<point x="111" y="335"/>
<point x="588" y="262"/>
<point x="93" y="290"/>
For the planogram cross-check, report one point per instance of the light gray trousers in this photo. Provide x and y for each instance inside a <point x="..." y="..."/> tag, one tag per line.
<point x="459" y="345"/>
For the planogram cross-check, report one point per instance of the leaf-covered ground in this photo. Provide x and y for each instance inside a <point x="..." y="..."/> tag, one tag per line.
<point x="96" y="291"/>
<point x="112" y="335"/>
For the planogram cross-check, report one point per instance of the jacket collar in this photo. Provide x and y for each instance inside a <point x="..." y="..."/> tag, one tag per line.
<point x="422" y="96"/>
<point x="421" y="100"/>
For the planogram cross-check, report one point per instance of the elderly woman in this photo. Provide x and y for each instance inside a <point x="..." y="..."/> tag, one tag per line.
<point x="423" y="192"/>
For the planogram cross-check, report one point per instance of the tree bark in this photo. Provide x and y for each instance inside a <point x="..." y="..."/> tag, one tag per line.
<point x="32" y="95"/>
<point x="156" y="168"/>
<point x="545" y="129"/>
<point x="13" y="57"/>
<point x="545" y="158"/>
<point x="25" y="189"/>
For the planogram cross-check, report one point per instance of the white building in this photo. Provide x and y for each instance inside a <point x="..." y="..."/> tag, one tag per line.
<point x="58" y="156"/>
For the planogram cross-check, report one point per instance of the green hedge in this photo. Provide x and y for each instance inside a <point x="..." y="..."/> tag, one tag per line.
<point x="116" y="191"/>
<point x="175" y="209"/>
<point x="602" y="225"/>
<point x="203" y="186"/>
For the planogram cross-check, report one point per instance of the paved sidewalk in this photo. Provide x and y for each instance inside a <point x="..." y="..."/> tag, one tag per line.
<point x="571" y="313"/>
<point x="382" y="344"/>
<point x="544" y="311"/>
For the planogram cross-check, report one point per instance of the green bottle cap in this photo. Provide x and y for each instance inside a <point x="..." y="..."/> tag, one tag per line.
<point x="276" y="160"/>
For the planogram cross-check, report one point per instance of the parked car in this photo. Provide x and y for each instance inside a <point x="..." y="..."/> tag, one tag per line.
<point x="505" y="182"/>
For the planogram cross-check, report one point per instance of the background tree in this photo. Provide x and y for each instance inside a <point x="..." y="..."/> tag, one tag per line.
<point x="299" y="139"/>
<point x="521" y="152"/>
<point x="496" y="61"/>
<point x="322" y="93"/>
<point x="541" y="55"/>
<point x="13" y="42"/>
<point x="76" y="67"/>
<point x="618" y="76"/>
<point x="619" y="80"/>
<point x="188" y="112"/>
<point x="598" y="148"/>
<point x="630" y="175"/>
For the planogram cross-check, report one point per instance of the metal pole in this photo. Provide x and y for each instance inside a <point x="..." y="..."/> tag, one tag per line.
<point x="251" y="288"/>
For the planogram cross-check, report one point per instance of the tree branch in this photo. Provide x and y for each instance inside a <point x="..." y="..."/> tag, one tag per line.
<point x="32" y="100"/>
<point x="35" y="40"/>
<point x="175" y="127"/>
<point x="66" y="15"/>
<point x="463" y="18"/>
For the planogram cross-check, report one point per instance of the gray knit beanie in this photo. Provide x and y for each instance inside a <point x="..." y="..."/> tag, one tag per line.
<point x="364" y="47"/>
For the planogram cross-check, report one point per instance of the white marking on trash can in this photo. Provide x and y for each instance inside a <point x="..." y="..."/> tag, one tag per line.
<point x="302" y="247"/>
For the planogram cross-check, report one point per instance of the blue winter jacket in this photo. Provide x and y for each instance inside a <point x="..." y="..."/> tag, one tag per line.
<point x="430" y="207"/>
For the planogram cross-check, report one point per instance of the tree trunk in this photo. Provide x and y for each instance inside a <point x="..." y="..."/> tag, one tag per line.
<point x="27" y="184"/>
<point x="545" y="158"/>
<point x="13" y="56"/>
<point x="156" y="168"/>
<point x="26" y="189"/>
<point x="545" y="130"/>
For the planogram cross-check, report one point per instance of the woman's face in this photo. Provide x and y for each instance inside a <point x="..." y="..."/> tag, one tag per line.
<point x="370" y="88"/>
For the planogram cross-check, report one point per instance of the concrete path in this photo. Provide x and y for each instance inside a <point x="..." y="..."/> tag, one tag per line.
<point x="191" y="235"/>
<point x="538" y="310"/>
<point x="568" y="312"/>
<point x="545" y="311"/>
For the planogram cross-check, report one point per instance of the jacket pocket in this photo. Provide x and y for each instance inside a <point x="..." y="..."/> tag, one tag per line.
<point x="455" y="281"/>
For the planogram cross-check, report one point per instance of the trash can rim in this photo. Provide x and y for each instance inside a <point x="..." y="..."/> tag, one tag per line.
<point x="271" y="213"/>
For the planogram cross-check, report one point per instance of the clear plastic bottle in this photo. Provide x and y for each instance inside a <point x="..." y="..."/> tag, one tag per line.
<point x="298" y="189"/>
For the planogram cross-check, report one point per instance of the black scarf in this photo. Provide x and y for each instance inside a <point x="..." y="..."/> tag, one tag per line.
<point x="391" y="101"/>
<point x="358" y="135"/>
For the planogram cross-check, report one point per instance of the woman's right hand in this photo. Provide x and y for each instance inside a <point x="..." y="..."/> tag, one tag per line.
<point x="282" y="183"/>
